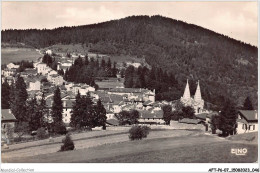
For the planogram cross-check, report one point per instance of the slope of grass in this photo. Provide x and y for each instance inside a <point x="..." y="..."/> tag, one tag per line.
<point x="182" y="149"/>
<point x="18" y="54"/>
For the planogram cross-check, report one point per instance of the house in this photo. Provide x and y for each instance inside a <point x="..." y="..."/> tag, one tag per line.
<point x="51" y="72"/>
<point x="8" y="72"/>
<point x="49" y="52"/>
<point x="247" y="121"/>
<point x="29" y="72"/>
<point x="56" y="79"/>
<point x="42" y="68"/>
<point x="67" y="108"/>
<point x="7" y="122"/>
<point x="12" y="66"/>
<point x="34" y="85"/>
<point x="151" y="117"/>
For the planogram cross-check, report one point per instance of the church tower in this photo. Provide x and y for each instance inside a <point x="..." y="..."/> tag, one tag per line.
<point x="186" y="95"/>
<point x="197" y="96"/>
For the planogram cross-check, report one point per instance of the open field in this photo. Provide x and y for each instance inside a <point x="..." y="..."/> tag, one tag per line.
<point x="18" y="54"/>
<point x="83" y="140"/>
<point x="166" y="146"/>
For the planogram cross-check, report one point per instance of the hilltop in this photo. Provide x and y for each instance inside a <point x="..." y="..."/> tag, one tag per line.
<point x="224" y="66"/>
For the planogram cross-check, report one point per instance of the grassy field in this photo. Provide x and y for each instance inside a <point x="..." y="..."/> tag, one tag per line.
<point x="17" y="54"/>
<point x="170" y="149"/>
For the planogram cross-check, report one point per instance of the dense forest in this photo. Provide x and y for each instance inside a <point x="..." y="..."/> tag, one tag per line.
<point x="224" y="66"/>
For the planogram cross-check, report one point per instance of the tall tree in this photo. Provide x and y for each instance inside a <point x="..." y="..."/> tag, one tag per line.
<point x="18" y="98"/>
<point x="228" y="117"/>
<point x="167" y="113"/>
<point x="86" y="61"/>
<point x="57" y="108"/>
<point x="42" y="108"/>
<point x="99" y="114"/>
<point x="248" y="104"/>
<point x="76" y="112"/>
<point x="5" y="95"/>
<point x="33" y="114"/>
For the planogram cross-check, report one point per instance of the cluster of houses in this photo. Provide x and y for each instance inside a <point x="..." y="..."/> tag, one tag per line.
<point x="115" y="99"/>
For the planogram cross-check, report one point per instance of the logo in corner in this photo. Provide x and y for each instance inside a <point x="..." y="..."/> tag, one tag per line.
<point x="239" y="151"/>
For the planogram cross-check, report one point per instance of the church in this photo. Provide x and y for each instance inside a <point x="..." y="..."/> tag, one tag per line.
<point x="197" y="102"/>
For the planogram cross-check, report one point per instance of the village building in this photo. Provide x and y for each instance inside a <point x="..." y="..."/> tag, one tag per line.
<point x="7" y="123"/>
<point x="49" y="52"/>
<point x="12" y="66"/>
<point x="197" y="103"/>
<point x="247" y="121"/>
<point x="151" y="117"/>
<point x="8" y="72"/>
<point x="56" y="79"/>
<point x="67" y="108"/>
<point x="34" y="85"/>
<point x="42" y="68"/>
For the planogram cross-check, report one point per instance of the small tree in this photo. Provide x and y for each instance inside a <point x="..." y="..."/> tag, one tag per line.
<point x="68" y="144"/>
<point x="41" y="133"/>
<point x="21" y="128"/>
<point x="167" y="113"/>
<point x="228" y="117"/>
<point x="188" y="112"/>
<point x="214" y="123"/>
<point x="138" y="132"/>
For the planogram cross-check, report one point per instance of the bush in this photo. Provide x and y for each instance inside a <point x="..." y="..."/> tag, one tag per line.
<point x="60" y="128"/>
<point x="138" y="132"/>
<point x="68" y="144"/>
<point x="41" y="133"/>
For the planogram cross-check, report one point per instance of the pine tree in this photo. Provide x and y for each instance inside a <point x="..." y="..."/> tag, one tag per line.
<point x="57" y="108"/>
<point x="42" y="109"/>
<point x="5" y="95"/>
<point x="248" y="104"/>
<point x="76" y="112"/>
<point x="99" y="114"/>
<point x="33" y="114"/>
<point x="109" y="63"/>
<point x="18" y="97"/>
<point x="228" y="117"/>
<point x="88" y="114"/>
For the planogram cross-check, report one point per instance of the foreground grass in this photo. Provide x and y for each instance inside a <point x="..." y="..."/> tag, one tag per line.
<point x="216" y="153"/>
<point x="195" y="149"/>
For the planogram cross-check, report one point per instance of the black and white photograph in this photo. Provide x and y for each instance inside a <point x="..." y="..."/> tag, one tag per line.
<point x="129" y="82"/>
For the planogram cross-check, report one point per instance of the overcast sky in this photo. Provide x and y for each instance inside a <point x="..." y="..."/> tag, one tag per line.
<point x="235" y="19"/>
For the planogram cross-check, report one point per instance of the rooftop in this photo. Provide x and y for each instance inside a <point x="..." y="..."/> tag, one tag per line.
<point x="249" y="115"/>
<point x="7" y="116"/>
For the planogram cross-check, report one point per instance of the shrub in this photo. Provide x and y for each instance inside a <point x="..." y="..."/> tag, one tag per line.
<point x="68" y="144"/>
<point x="138" y="132"/>
<point x="60" y="128"/>
<point x="41" y="133"/>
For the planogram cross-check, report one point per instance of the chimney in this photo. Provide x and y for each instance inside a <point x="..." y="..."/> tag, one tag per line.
<point x="9" y="110"/>
<point x="256" y="115"/>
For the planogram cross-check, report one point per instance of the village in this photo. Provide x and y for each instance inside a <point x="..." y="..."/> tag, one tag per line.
<point x="115" y="99"/>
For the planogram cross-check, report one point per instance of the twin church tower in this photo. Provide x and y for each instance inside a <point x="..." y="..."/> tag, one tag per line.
<point x="197" y="102"/>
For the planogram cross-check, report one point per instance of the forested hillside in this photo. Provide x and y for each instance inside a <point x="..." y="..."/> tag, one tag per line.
<point x="224" y="66"/>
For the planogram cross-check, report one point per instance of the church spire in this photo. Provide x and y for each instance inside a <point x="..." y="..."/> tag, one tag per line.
<point x="186" y="94"/>
<point x="197" y="96"/>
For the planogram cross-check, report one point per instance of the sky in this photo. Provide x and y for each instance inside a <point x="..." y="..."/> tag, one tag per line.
<point x="235" y="19"/>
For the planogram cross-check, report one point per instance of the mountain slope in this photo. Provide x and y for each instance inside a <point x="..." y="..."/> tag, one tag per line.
<point x="224" y="66"/>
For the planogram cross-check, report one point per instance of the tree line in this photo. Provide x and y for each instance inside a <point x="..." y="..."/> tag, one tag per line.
<point x="86" y="71"/>
<point x="164" y="83"/>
